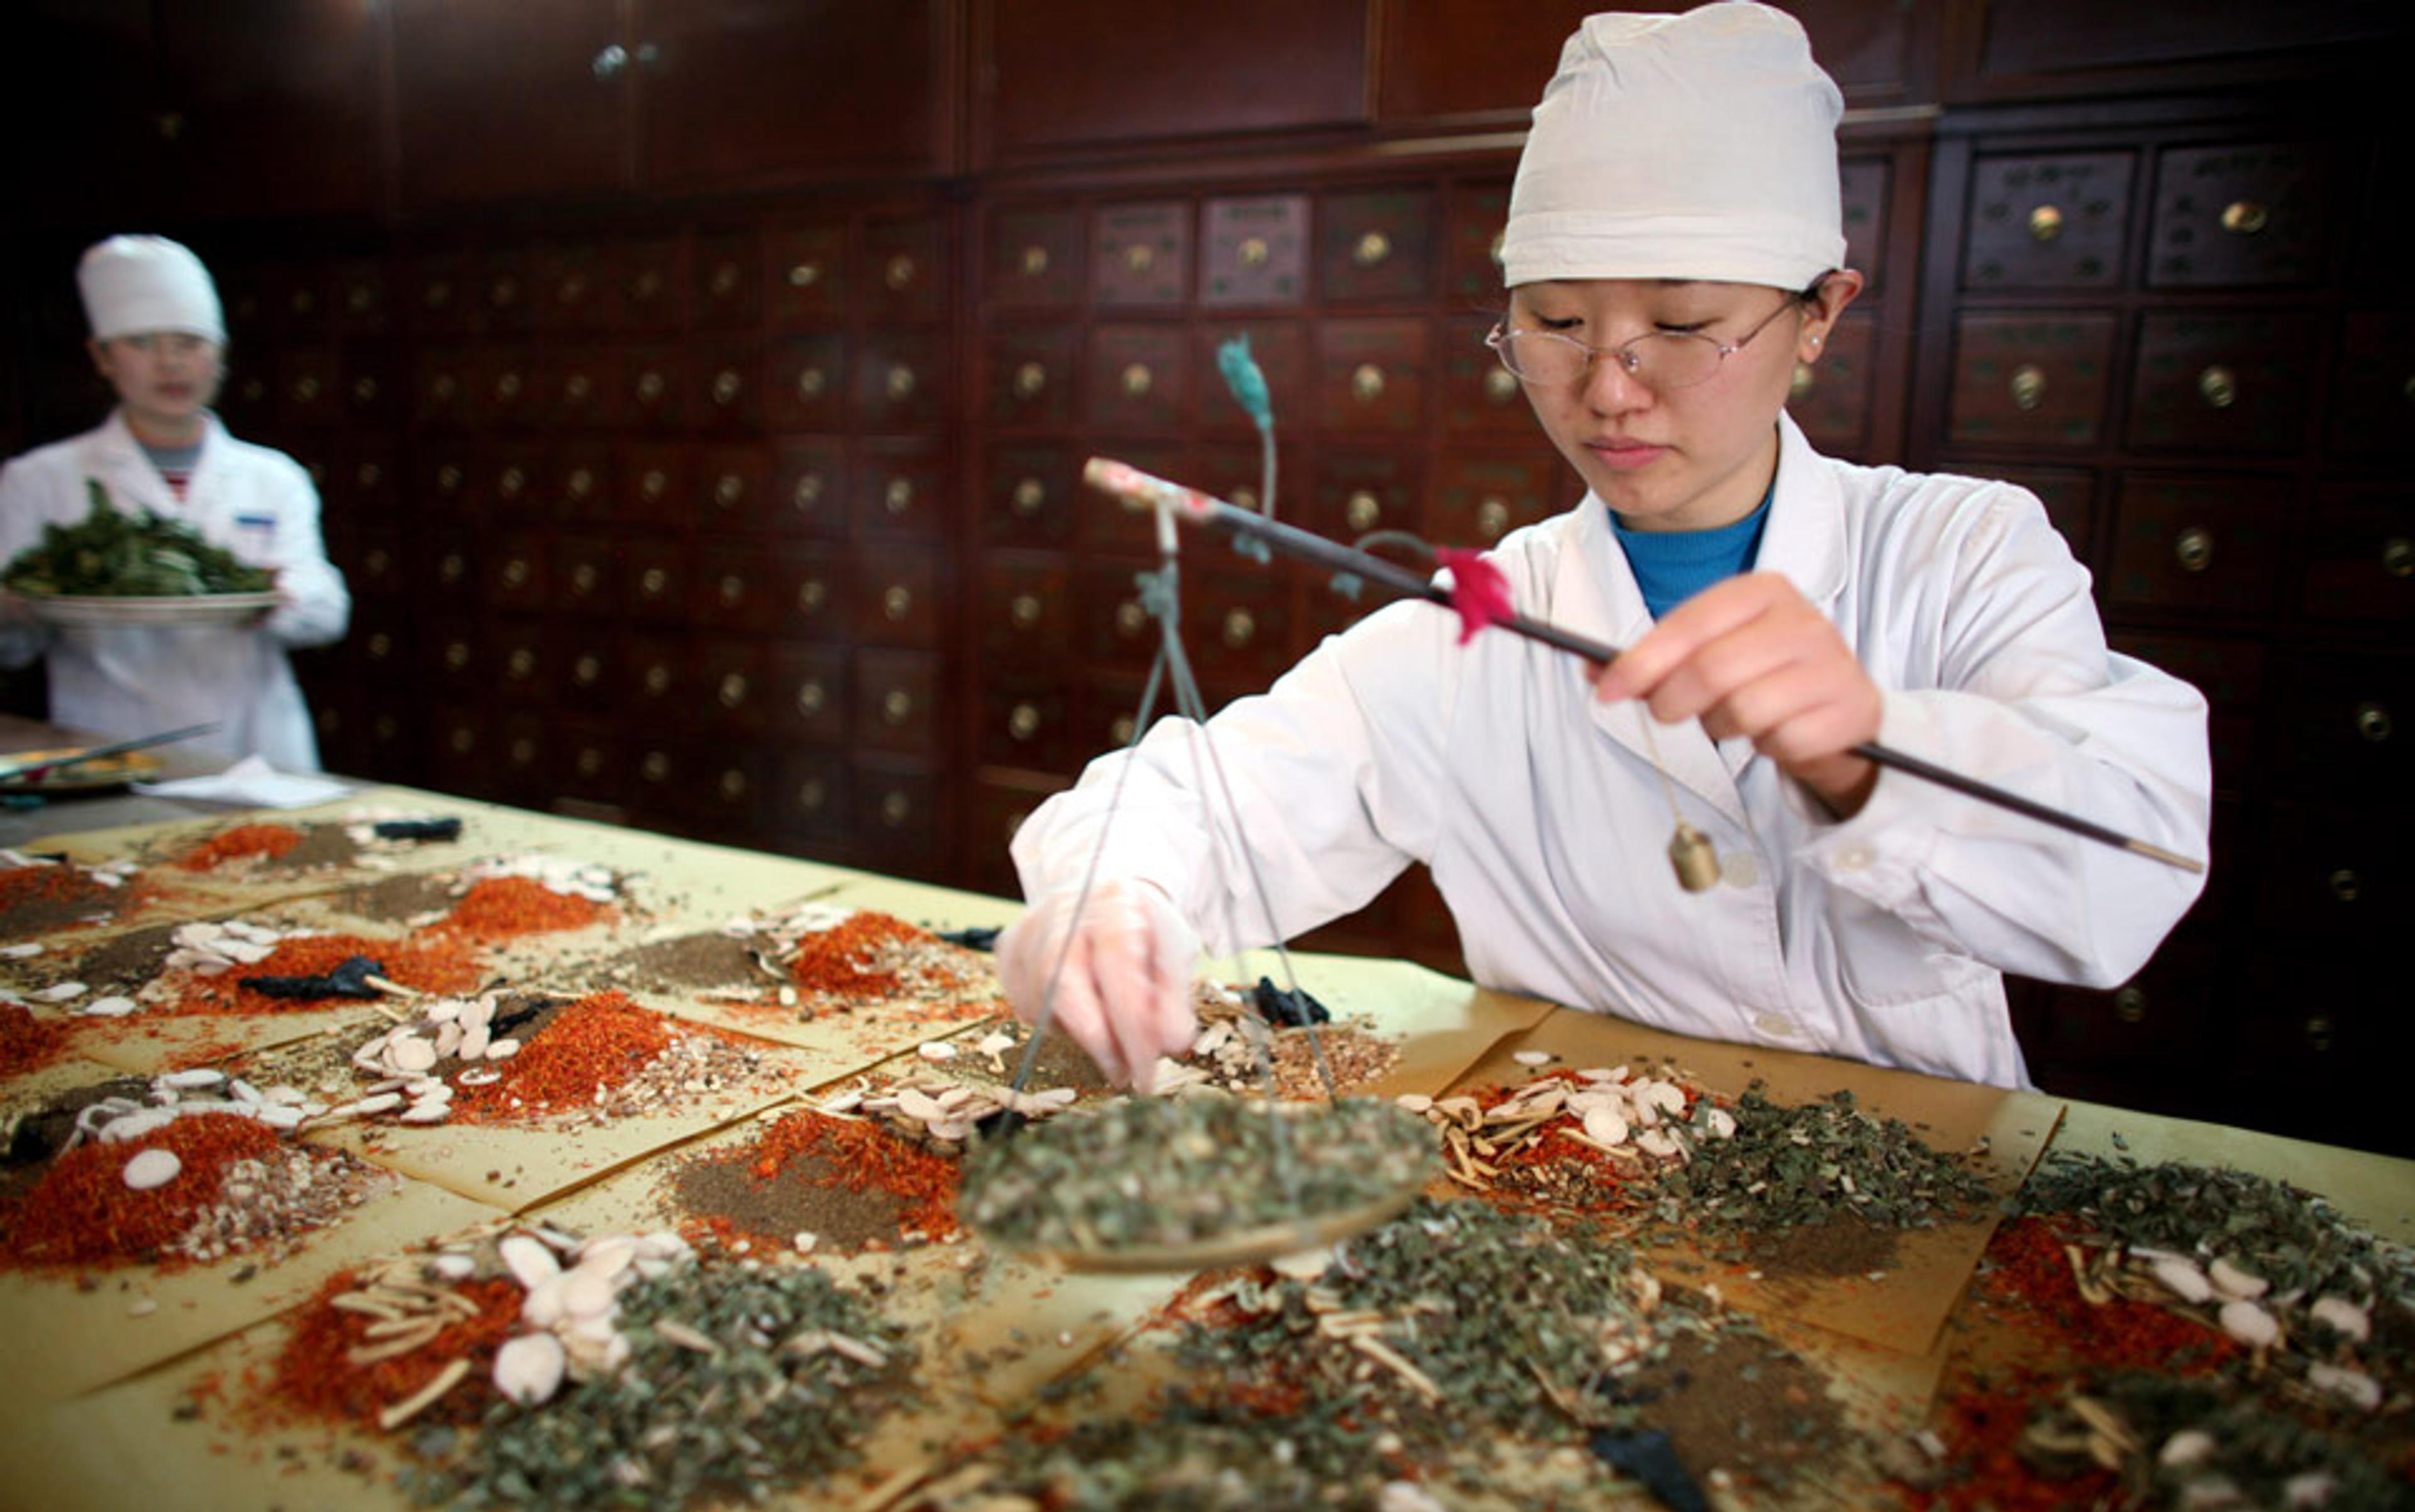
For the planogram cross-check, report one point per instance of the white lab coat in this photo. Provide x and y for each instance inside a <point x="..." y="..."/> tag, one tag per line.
<point x="1881" y="937"/>
<point x="255" y="503"/>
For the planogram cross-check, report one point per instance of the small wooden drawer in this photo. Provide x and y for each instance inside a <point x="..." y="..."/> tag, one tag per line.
<point x="522" y="772"/>
<point x="1862" y="184"/>
<point x="737" y="587"/>
<point x="1025" y="616"/>
<point x="453" y="660"/>
<point x="905" y="278"/>
<point x="1831" y="399"/>
<point x="504" y="283"/>
<point x="2340" y="875"/>
<point x="1138" y="377"/>
<point x="995" y="810"/>
<point x="516" y="576"/>
<point x="2241" y="214"/>
<point x="810" y="693"/>
<point x="519" y="654"/>
<point x="586" y="577"/>
<point x="1143" y="254"/>
<point x="1375" y="243"/>
<point x="441" y="381"/>
<point x="1372" y="374"/>
<point x="2309" y="1018"/>
<point x="662" y="770"/>
<point x="1478" y="500"/>
<point x="2373" y="396"/>
<point x="2047" y="222"/>
<point x="1479" y="397"/>
<point x="508" y="482"/>
<point x="2069" y="498"/>
<point x="804" y="384"/>
<point x="372" y="391"/>
<point x="2030" y="380"/>
<point x="578" y="289"/>
<point x="381" y="642"/>
<point x="589" y="669"/>
<point x="727" y="280"/>
<point x="808" y="275"/>
<point x="901" y="490"/>
<point x="654" y="486"/>
<point x="1035" y="256"/>
<point x="898" y="816"/>
<point x="365" y="481"/>
<point x="656" y="384"/>
<point x="808" y="496"/>
<point x="1027" y="494"/>
<point x="1354" y="493"/>
<point x="591" y="761"/>
<point x="579" y="388"/>
<point x="444" y="474"/>
<point x="2351" y="724"/>
<point x="896" y="700"/>
<point x="732" y="489"/>
<point x="1281" y="350"/>
<point x="459" y="750"/>
<point x="658" y="684"/>
<point x="655" y="578"/>
<point x="1235" y="625"/>
<point x="811" y="798"/>
<point x="735" y="689"/>
<point x="1478" y="214"/>
<point x="2161" y="1017"/>
<point x="2223" y="383"/>
<point x="815" y="593"/>
<point x="897" y="598"/>
<point x="507" y="387"/>
<point x="373" y="564"/>
<point x="2230" y="673"/>
<point x="651" y="282"/>
<point x="728" y="380"/>
<point x="1255" y="250"/>
<point x="583" y="480"/>
<point x="727" y="793"/>
<point x="900" y="381"/>
<point x="437" y="293"/>
<point x="2210" y="545"/>
<point x="444" y="565"/>
<point x="1029" y="375"/>
<point x="1026" y="722"/>
<point x="2358" y="552"/>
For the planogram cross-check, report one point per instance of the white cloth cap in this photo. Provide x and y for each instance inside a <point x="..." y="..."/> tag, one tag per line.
<point x="1701" y="145"/>
<point x="133" y="284"/>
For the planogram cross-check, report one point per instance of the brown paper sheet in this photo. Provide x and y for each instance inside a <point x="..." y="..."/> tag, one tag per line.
<point x="1900" y="1309"/>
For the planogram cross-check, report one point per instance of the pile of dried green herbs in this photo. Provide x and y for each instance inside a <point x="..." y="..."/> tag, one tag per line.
<point x="1786" y="1167"/>
<point x="1176" y="1171"/>
<point x="140" y="554"/>
<point x="770" y="1403"/>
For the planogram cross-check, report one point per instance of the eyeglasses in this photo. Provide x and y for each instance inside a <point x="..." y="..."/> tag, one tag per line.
<point x="1660" y="360"/>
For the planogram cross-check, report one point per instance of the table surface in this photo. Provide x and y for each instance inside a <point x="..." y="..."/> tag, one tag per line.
<point x="105" y="1445"/>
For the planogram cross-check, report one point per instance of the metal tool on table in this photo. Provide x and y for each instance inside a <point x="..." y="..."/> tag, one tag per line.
<point x="1142" y="491"/>
<point x="35" y="771"/>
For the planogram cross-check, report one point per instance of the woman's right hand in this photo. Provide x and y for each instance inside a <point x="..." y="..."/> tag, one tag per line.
<point x="1123" y="993"/>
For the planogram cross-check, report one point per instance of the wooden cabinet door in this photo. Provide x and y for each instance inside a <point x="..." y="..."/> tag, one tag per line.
<point x="527" y="100"/>
<point x="271" y="106"/>
<point x="740" y="92"/>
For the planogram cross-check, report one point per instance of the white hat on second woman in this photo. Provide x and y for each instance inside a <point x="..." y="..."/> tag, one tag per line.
<point x="1701" y="145"/>
<point x="135" y="284"/>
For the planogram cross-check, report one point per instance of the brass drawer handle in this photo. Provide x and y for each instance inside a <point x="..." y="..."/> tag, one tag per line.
<point x="899" y="273"/>
<point x="452" y="568"/>
<point x="732" y="690"/>
<point x="456" y="656"/>
<point x="657" y="679"/>
<point x="2219" y="386"/>
<point x="900" y="386"/>
<point x="811" y="384"/>
<point x="523" y="752"/>
<point x="381" y="646"/>
<point x="1034" y="261"/>
<point x="805" y="274"/>
<point x="2130" y="1005"/>
<point x="365" y="390"/>
<point x="725" y="386"/>
<point x="811" y="697"/>
<point x="1131" y="619"/>
<point x="1023" y="611"/>
<point x="1240" y="628"/>
<point x="1140" y="256"/>
<point x="1029" y="494"/>
<point x="583" y="578"/>
<point x="590" y="761"/>
<point x="1136" y="380"/>
<point x="448" y="479"/>
<point x="306" y="388"/>
<point x="1244" y="497"/>
<point x="254" y="390"/>
<point x="647" y="284"/>
<point x="729" y="490"/>
<point x="2320" y="1032"/>
<point x="656" y="767"/>
<point x="2345" y="885"/>
<point x="730" y="591"/>
<point x="1029" y="378"/>
<point x="2046" y="223"/>
<point x="582" y="483"/>
<point x="378" y="562"/>
<point x="2373" y="722"/>
<point x="1122" y="730"/>
<point x="725" y="281"/>
<point x="303" y="302"/>
<point x="811" y="595"/>
<point x="1365" y="511"/>
<point x="508" y="386"/>
<point x="577" y="387"/>
<point x="462" y="740"/>
<point x="812" y="794"/>
<point x="1372" y="249"/>
<point x="896" y="602"/>
<point x="1500" y="386"/>
<point x="521" y="663"/>
<point x="2028" y="386"/>
<point x="653" y="582"/>
<point x="1367" y="383"/>
<point x="511" y="482"/>
<point x="370" y="475"/>
<point x="2244" y="218"/>
<point x="2398" y="557"/>
<point x="895" y="809"/>
<point x="652" y="485"/>
<point x="437" y="294"/>
<point x="896" y="707"/>
<point x="898" y="496"/>
<point x="2193" y="550"/>
<point x="732" y="786"/>
<point x="571" y="291"/>
<point x="649" y="386"/>
<point x="1492" y="248"/>
<point x="516" y="573"/>
<point x="1492" y="517"/>
<point x="1254" y="251"/>
<point x="808" y="493"/>
<point x="587" y="671"/>
<point x="361" y="298"/>
<point x="503" y="292"/>
<point x="1023" y="722"/>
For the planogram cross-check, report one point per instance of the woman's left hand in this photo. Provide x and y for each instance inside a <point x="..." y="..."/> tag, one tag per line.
<point x="1750" y="656"/>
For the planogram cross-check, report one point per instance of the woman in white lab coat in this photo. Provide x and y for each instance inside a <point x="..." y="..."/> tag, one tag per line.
<point x="1672" y="252"/>
<point x="157" y="336"/>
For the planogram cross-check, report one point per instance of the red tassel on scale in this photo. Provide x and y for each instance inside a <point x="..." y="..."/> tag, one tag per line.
<point x="1477" y="590"/>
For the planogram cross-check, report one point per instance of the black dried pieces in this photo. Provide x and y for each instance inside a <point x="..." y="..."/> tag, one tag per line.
<point x="349" y="979"/>
<point x="418" y="829"/>
<point x="1647" y="1456"/>
<point x="977" y="938"/>
<point x="1290" y="1009"/>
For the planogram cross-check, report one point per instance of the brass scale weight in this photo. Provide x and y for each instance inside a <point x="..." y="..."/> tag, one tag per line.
<point x="1690" y="852"/>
